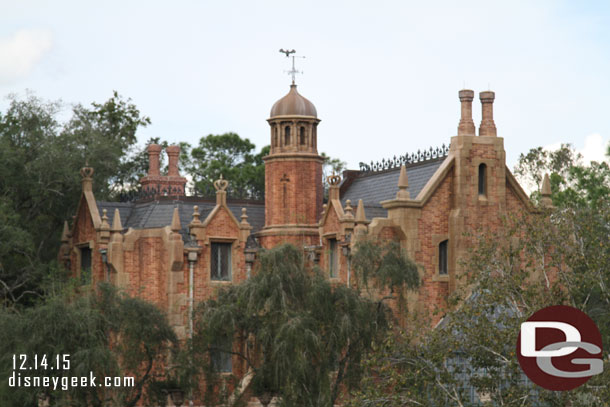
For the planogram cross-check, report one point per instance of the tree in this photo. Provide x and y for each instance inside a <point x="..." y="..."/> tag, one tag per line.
<point x="572" y="183"/>
<point x="300" y="338"/>
<point x="232" y="157"/>
<point x="470" y="357"/>
<point x="329" y="167"/>
<point x="40" y="159"/>
<point x="103" y="332"/>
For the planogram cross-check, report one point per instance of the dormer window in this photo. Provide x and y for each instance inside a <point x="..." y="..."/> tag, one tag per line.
<point x="482" y="179"/>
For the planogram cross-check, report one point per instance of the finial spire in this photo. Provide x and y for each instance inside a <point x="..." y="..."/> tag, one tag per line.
<point x="116" y="222"/>
<point x="361" y="222"/>
<point x="65" y="235"/>
<point x="403" y="184"/>
<point x="196" y="215"/>
<point x="175" y="226"/>
<point x="349" y="211"/>
<point x="290" y="53"/>
<point x="546" y="200"/>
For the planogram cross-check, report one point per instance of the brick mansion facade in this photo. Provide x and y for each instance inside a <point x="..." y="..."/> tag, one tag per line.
<point x="174" y="250"/>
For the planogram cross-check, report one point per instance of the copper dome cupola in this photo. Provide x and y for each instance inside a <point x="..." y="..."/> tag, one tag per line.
<point x="293" y="104"/>
<point x="294" y="121"/>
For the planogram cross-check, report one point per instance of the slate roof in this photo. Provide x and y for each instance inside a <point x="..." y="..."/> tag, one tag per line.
<point x="158" y="213"/>
<point x="371" y="186"/>
<point x="376" y="186"/>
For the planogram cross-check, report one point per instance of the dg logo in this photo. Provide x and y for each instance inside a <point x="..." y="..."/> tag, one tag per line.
<point x="560" y="348"/>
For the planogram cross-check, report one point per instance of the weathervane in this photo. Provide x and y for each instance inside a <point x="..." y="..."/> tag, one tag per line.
<point x="293" y="71"/>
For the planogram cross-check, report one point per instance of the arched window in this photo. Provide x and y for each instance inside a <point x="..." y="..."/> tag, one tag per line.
<point x="302" y="136"/>
<point x="443" y="257"/>
<point x="274" y="139"/>
<point x="482" y="179"/>
<point x="287" y="136"/>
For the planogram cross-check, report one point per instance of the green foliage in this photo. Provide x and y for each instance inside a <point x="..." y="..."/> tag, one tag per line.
<point x="531" y="263"/>
<point x="300" y="337"/>
<point x="385" y="264"/>
<point x="232" y="157"/>
<point x="103" y="332"/>
<point x="40" y="159"/>
<point x="329" y="167"/>
<point x="572" y="183"/>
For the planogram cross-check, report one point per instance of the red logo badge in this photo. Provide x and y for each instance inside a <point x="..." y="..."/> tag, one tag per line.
<point x="560" y="348"/>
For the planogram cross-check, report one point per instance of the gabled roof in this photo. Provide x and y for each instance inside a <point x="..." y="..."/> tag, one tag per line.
<point x="376" y="186"/>
<point x="158" y="213"/>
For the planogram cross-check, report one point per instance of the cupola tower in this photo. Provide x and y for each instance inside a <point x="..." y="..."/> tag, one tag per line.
<point x="293" y="173"/>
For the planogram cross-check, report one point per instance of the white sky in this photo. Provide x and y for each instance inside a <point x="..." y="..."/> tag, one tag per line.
<point x="384" y="75"/>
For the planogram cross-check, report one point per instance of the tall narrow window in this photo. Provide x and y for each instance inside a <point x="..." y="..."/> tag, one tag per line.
<point x="333" y="258"/>
<point x="276" y="138"/>
<point x="286" y="136"/>
<point x="442" y="257"/>
<point x="482" y="179"/>
<point x="85" y="265"/>
<point x="302" y="136"/>
<point x="220" y="262"/>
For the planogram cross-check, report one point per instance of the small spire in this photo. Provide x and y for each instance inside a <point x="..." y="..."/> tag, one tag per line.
<point x="546" y="192"/>
<point x="221" y="185"/>
<point x="105" y="225"/>
<point x="349" y="211"/>
<point x="65" y="235"/>
<point x="403" y="184"/>
<point x="196" y="215"/>
<point x="546" y="185"/>
<point x="176" y="221"/>
<point x="87" y="178"/>
<point x="361" y="222"/>
<point x="333" y="189"/>
<point x="244" y="216"/>
<point x="360" y="215"/>
<point x="104" y="235"/>
<point x="116" y="222"/>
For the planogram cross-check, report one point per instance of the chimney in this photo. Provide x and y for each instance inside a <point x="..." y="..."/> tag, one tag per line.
<point x="173" y="152"/>
<point x="154" y="150"/>
<point x="487" y="127"/>
<point x="466" y="126"/>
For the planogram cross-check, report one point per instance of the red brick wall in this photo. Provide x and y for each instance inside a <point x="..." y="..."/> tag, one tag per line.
<point x="298" y="201"/>
<point x="434" y="220"/>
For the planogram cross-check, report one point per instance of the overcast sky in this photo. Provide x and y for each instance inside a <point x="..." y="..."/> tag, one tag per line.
<point x="383" y="75"/>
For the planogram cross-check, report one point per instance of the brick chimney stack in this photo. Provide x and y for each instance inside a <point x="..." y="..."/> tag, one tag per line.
<point x="154" y="151"/>
<point x="173" y="152"/>
<point x="155" y="185"/>
<point x="466" y="126"/>
<point x="488" y="127"/>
